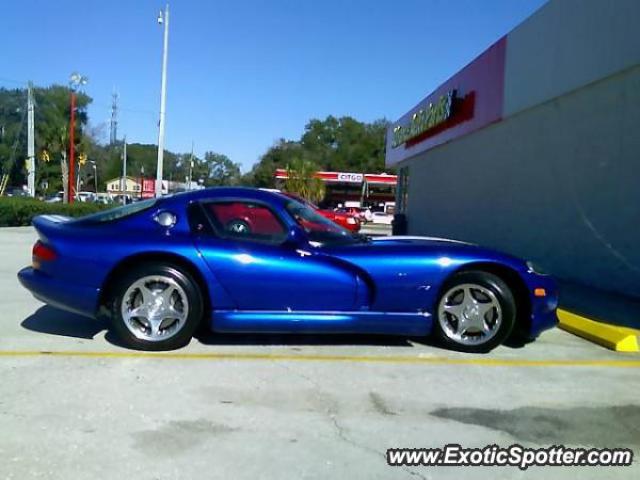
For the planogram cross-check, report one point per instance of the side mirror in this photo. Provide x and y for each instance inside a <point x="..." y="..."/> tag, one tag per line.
<point x="296" y="238"/>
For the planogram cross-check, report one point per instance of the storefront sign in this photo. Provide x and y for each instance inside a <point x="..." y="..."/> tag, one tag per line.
<point x="425" y="119"/>
<point x="350" y="177"/>
<point x="469" y="100"/>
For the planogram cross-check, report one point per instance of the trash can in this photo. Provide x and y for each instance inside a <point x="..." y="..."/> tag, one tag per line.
<point x="399" y="224"/>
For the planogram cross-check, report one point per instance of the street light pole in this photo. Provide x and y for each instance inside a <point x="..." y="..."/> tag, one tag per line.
<point x="162" y="19"/>
<point x="95" y="175"/>
<point x="124" y="171"/>
<point x="31" y="161"/>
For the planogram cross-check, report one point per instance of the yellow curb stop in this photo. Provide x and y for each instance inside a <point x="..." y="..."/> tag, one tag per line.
<point x="613" y="337"/>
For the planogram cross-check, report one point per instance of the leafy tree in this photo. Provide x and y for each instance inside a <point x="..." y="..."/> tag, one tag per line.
<point x="334" y="144"/>
<point x="51" y="133"/>
<point x="51" y="120"/>
<point x="12" y="131"/>
<point x="301" y="180"/>
<point x="216" y="170"/>
<point x="278" y="156"/>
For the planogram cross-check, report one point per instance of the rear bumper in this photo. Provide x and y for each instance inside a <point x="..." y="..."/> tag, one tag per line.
<point x="67" y="296"/>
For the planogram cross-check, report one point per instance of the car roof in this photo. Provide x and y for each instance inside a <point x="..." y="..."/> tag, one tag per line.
<point x="232" y="192"/>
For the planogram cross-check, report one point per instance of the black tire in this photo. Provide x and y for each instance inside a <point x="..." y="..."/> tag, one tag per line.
<point x="502" y="293"/>
<point x="182" y="278"/>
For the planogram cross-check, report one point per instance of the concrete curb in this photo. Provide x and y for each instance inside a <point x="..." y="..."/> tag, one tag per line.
<point x="620" y="339"/>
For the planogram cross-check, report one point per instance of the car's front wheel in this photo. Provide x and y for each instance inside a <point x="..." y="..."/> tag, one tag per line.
<point x="156" y="307"/>
<point x="475" y="312"/>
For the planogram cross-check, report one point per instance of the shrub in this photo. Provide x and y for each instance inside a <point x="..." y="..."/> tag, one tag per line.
<point x="18" y="212"/>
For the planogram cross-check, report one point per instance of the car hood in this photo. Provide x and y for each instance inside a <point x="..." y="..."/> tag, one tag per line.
<point x="415" y="248"/>
<point x="415" y="241"/>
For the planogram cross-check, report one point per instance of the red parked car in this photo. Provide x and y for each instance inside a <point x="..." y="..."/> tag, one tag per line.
<point x="345" y="220"/>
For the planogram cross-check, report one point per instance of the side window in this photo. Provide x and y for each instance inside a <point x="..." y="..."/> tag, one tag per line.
<point x="244" y="220"/>
<point x="198" y="221"/>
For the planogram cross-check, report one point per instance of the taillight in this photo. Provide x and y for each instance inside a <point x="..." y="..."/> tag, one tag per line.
<point x="43" y="253"/>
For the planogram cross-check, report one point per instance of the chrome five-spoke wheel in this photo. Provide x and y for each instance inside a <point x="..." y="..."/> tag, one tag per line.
<point x="475" y="312"/>
<point x="470" y="314"/>
<point x="154" y="308"/>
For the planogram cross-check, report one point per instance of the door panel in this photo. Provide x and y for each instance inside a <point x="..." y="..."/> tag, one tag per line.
<point x="272" y="277"/>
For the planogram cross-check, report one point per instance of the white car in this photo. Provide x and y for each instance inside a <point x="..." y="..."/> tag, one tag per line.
<point x="85" y="196"/>
<point x="57" y="198"/>
<point x="381" y="218"/>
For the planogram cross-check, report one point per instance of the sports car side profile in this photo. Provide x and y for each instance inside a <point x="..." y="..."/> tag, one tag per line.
<point x="161" y="267"/>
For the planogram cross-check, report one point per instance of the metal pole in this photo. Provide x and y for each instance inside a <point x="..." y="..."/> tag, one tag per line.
<point x="31" y="162"/>
<point x="190" y="166"/>
<point x="163" y="99"/>
<point x="78" y="177"/>
<point x="72" y="150"/>
<point x="124" y="172"/>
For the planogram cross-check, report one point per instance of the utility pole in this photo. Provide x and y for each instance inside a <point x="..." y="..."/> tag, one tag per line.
<point x="124" y="172"/>
<point x="190" y="167"/>
<point x="113" y="127"/>
<point x="163" y="98"/>
<point x="31" y="155"/>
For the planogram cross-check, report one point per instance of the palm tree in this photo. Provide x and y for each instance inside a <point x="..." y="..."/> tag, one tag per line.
<point x="301" y="180"/>
<point x="57" y="141"/>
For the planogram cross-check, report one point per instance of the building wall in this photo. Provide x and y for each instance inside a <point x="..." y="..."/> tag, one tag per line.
<point x="558" y="183"/>
<point x="115" y="186"/>
<point x="567" y="44"/>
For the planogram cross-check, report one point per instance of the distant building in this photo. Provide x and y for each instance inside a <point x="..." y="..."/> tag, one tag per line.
<point x="145" y="187"/>
<point x="365" y="189"/>
<point x="131" y="186"/>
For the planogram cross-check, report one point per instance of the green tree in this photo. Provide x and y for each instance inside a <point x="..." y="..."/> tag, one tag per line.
<point x="278" y="156"/>
<point x="52" y="115"/>
<point x="217" y="170"/>
<point x="302" y="182"/>
<point x="335" y="144"/>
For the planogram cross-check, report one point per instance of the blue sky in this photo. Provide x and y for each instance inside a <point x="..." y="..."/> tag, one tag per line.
<point x="243" y="73"/>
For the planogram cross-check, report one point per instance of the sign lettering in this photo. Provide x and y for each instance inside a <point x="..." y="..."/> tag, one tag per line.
<point x="424" y="119"/>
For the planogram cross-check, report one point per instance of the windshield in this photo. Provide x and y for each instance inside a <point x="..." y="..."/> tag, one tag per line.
<point x="319" y="229"/>
<point x="119" y="212"/>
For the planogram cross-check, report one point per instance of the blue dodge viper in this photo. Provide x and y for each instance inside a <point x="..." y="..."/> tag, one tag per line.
<point x="248" y="260"/>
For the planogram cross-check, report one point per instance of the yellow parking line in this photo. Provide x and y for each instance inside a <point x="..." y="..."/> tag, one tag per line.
<point x="417" y="360"/>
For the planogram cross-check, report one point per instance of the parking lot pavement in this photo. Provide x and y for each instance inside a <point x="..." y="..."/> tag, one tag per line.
<point x="75" y="405"/>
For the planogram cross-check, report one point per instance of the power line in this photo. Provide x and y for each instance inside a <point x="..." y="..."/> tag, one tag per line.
<point x="14" y="81"/>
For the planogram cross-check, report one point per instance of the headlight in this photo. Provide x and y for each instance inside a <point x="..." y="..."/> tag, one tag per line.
<point x="535" y="268"/>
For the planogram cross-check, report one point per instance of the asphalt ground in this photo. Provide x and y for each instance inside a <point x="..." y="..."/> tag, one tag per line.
<point x="75" y="405"/>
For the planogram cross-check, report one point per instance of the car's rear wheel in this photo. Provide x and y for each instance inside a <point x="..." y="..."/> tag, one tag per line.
<point x="156" y="307"/>
<point x="475" y="312"/>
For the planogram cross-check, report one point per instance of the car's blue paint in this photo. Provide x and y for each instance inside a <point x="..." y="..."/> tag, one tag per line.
<point x="68" y="296"/>
<point x="393" y="323"/>
<point x="388" y="285"/>
<point x="270" y="277"/>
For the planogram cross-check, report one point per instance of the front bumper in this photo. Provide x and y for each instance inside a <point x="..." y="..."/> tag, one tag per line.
<point x="543" y="309"/>
<point x="75" y="298"/>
